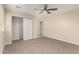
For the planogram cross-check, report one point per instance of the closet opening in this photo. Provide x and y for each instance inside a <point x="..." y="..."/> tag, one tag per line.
<point x="17" y="28"/>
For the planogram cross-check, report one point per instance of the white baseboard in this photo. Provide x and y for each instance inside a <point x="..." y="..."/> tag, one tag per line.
<point x="76" y="43"/>
<point x="1" y="51"/>
<point x="7" y="43"/>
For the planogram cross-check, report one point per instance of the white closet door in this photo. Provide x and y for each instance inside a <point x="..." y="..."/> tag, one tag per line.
<point x="27" y="29"/>
<point x="15" y="31"/>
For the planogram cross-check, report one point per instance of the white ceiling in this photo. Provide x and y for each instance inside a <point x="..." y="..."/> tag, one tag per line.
<point x="29" y="8"/>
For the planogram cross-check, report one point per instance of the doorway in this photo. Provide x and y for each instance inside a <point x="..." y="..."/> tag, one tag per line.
<point x="41" y="28"/>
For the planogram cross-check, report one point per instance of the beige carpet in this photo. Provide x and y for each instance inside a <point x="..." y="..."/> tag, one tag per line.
<point x="40" y="46"/>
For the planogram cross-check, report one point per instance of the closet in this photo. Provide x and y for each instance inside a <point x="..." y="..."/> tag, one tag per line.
<point x="17" y="28"/>
<point x="21" y="28"/>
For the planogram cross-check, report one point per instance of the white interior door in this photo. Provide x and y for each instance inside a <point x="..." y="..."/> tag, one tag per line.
<point x="27" y="29"/>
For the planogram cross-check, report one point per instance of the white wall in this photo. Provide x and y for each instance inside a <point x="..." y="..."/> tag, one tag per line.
<point x="35" y="28"/>
<point x="63" y="26"/>
<point x="2" y="27"/>
<point x="9" y="25"/>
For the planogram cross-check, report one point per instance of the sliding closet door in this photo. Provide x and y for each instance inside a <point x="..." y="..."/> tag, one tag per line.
<point x="15" y="28"/>
<point x="27" y="29"/>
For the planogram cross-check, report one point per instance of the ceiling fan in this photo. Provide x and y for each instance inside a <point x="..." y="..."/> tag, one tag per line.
<point x="47" y="9"/>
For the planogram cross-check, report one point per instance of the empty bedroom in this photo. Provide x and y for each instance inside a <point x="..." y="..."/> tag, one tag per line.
<point x="39" y="28"/>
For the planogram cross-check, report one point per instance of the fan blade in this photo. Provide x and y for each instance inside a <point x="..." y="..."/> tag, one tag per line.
<point x="48" y="12"/>
<point x="52" y="9"/>
<point x="37" y="9"/>
<point x="41" y="11"/>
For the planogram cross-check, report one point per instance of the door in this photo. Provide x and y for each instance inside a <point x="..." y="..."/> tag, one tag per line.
<point x="17" y="28"/>
<point x="27" y="29"/>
